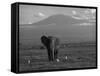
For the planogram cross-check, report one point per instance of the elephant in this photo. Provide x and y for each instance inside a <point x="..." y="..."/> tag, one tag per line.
<point x="52" y="45"/>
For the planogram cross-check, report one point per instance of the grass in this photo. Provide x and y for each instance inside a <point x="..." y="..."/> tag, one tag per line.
<point x="78" y="57"/>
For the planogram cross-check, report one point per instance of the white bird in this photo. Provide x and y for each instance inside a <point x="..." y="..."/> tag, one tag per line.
<point x="66" y="57"/>
<point x="74" y="12"/>
<point x="58" y="60"/>
<point x="29" y="61"/>
<point x="41" y="14"/>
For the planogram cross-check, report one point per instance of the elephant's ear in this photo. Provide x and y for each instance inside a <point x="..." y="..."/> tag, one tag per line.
<point x="44" y="40"/>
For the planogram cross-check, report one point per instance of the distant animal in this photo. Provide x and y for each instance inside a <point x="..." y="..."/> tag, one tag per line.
<point x="52" y="45"/>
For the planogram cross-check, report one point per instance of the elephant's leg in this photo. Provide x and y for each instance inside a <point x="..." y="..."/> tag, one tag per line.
<point x="56" y="54"/>
<point x="49" y="54"/>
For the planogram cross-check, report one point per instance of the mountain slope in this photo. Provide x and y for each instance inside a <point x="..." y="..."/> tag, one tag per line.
<point x="59" y="19"/>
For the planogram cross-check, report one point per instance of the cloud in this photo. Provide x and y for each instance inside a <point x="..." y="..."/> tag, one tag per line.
<point x="28" y="26"/>
<point x="84" y="24"/>
<point x="74" y="12"/>
<point x="92" y="20"/>
<point x="90" y="11"/>
<point x="86" y="11"/>
<point x="93" y="11"/>
<point x="75" y="17"/>
<point x="29" y="22"/>
<point x="85" y="17"/>
<point x="87" y="14"/>
<point x="41" y="14"/>
<point x="78" y="15"/>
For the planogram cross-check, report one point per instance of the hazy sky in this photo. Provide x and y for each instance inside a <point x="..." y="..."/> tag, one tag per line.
<point x="32" y="13"/>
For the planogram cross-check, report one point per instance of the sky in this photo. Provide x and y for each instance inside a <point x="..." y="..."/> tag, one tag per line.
<point x="30" y="14"/>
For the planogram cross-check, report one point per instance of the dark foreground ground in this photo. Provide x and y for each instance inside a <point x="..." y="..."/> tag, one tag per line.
<point x="77" y="57"/>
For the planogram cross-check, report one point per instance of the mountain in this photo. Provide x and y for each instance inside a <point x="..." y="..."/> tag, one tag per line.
<point x="59" y="19"/>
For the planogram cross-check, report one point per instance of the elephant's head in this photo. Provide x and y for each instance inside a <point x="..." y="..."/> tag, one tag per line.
<point x="45" y="40"/>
